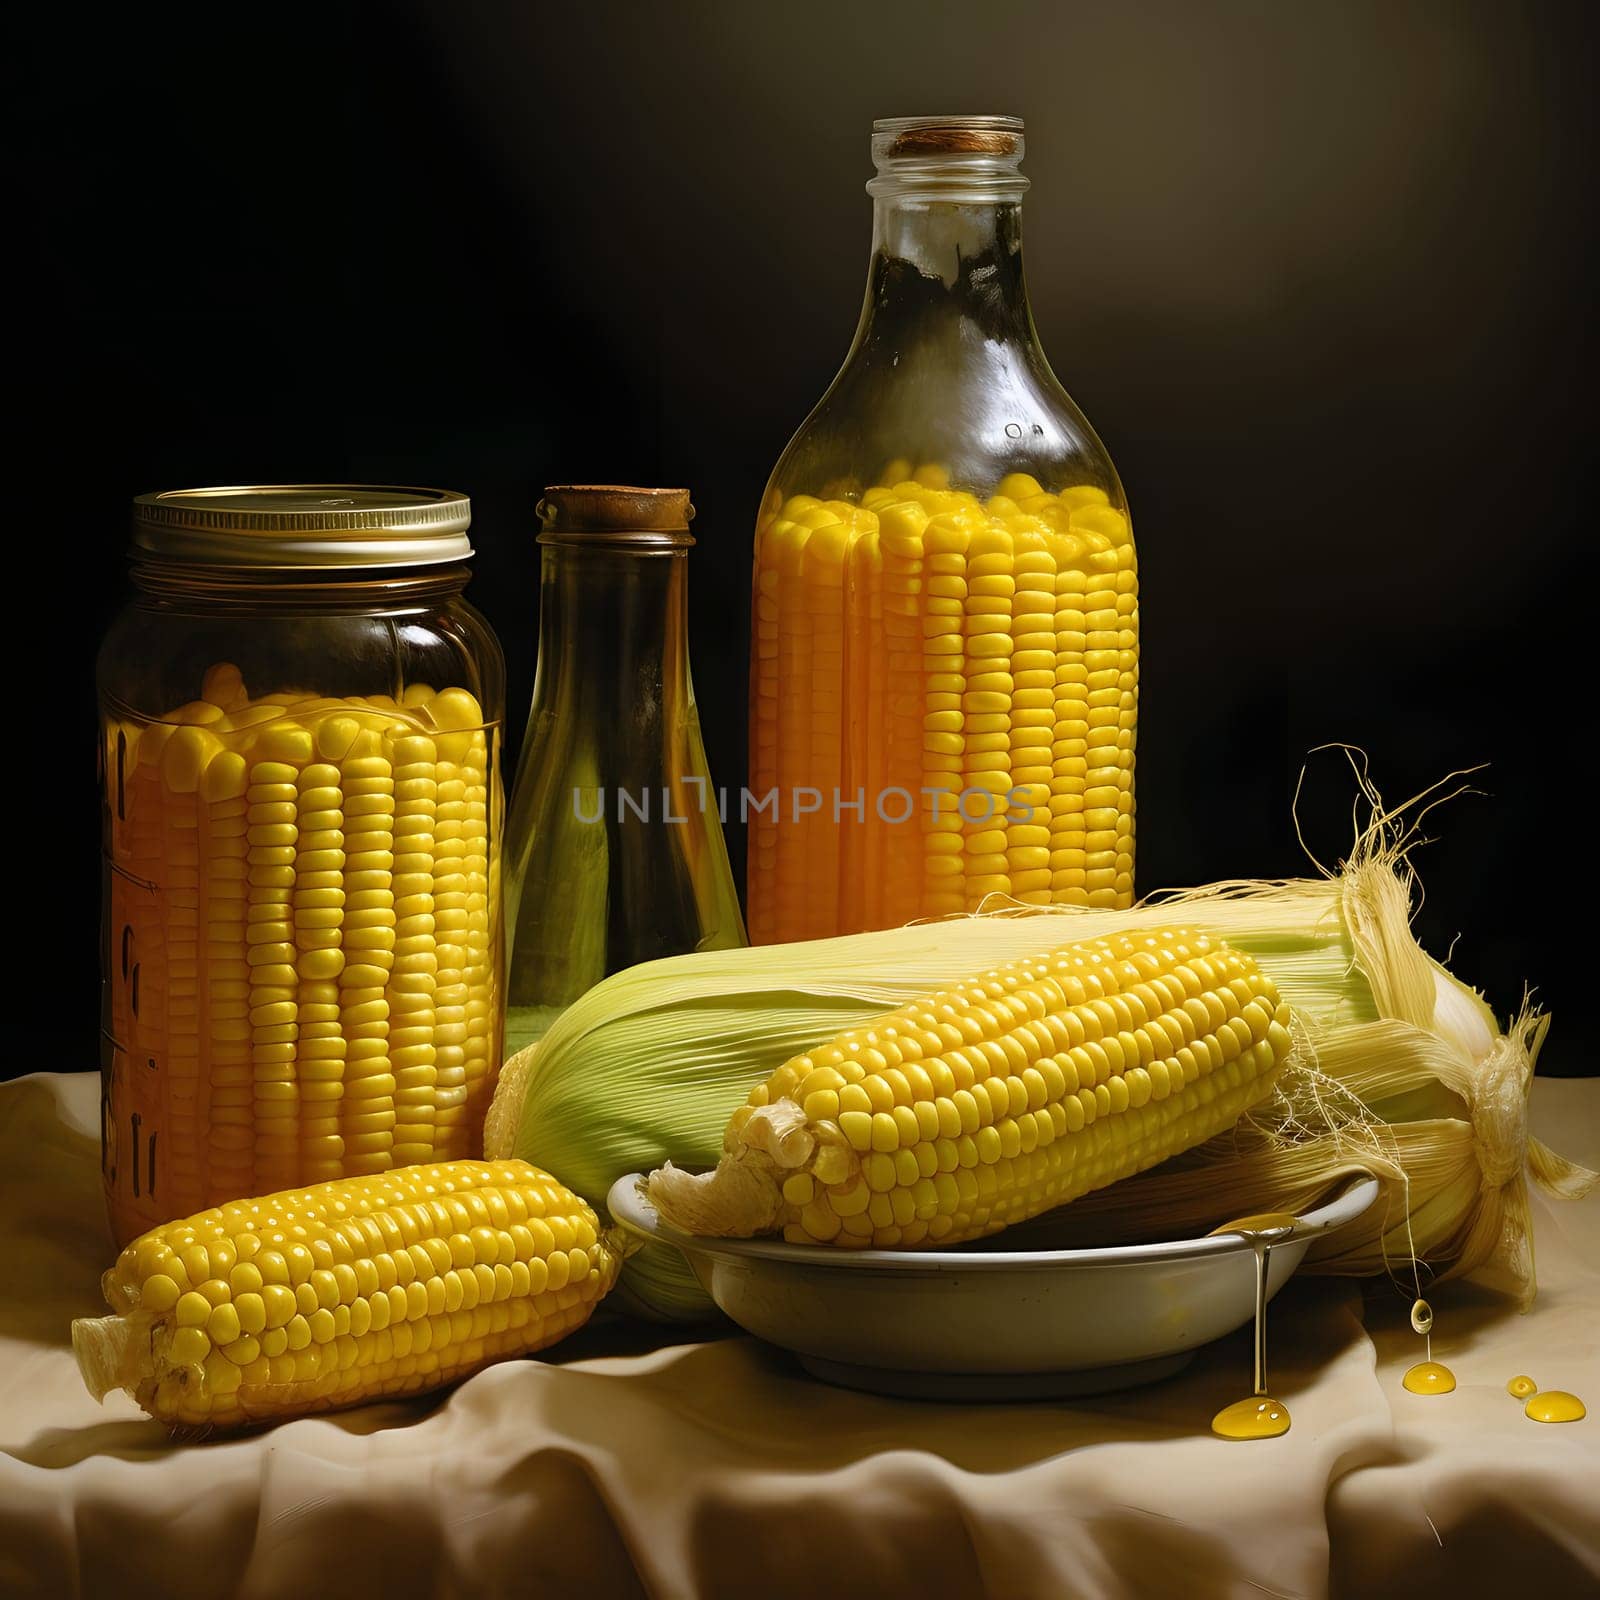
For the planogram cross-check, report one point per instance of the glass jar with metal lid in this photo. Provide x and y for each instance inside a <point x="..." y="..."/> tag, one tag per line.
<point x="300" y="720"/>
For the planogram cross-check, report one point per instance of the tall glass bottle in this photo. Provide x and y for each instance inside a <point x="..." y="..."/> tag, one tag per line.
<point x="944" y="662"/>
<point x="614" y="850"/>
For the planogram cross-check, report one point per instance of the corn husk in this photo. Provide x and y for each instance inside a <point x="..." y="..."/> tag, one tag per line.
<point x="1454" y="1194"/>
<point x="1400" y="1070"/>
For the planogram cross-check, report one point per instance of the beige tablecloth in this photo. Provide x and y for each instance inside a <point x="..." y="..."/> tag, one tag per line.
<point x="716" y="1467"/>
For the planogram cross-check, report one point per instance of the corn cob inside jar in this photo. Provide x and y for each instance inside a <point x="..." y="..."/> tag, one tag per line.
<point x="302" y="931"/>
<point x="944" y="656"/>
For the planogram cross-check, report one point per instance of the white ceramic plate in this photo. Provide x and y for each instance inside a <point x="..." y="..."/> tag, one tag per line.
<point x="1048" y="1322"/>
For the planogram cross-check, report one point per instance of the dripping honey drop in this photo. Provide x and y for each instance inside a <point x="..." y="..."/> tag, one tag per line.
<point x="1429" y="1377"/>
<point x="1260" y="1416"/>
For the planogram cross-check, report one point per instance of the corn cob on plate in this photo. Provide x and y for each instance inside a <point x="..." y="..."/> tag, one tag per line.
<point x="1399" y="1070"/>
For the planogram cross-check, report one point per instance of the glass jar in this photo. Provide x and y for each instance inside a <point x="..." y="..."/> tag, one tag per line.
<point x="944" y="662"/>
<point x="300" y="720"/>
<point x="614" y="851"/>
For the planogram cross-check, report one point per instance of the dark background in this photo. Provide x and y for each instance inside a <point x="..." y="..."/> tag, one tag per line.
<point x="1319" y="274"/>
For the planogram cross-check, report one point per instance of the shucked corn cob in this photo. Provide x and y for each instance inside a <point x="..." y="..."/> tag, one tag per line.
<point x="995" y="1100"/>
<point x="344" y="1292"/>
<point x="304" y="964"/>
<point x="961" y="678"/>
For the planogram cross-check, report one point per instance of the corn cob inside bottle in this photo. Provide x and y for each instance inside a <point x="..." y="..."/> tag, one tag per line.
<point x="994" y="681"/>
<point x="944" y="661"/>
<point x="305" y="976"/>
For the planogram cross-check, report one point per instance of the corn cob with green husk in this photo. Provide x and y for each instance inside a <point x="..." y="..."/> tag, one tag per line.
<point x="1403" y="1070"/>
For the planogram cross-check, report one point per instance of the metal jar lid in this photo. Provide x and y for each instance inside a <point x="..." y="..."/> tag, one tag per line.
<point x="616" y="514"/>
<point x="303" y="526"/>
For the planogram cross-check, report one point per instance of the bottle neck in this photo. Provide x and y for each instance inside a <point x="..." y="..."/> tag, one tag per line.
<point x="949" y="255"/>
<point x="613" y="632"/>
<point x="947" y="229"/>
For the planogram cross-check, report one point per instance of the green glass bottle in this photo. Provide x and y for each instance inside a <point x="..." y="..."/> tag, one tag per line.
<point x="614" y="851"/>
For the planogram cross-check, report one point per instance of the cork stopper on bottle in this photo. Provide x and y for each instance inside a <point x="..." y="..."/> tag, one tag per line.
<point x="614" y="513"/>
<point x="955" y="137"/>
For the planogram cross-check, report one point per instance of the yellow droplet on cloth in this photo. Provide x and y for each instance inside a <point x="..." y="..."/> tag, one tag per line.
<point x="1259" y="1417"/>
<point x="1429" y="1377"/>
<point x="1556" y="1405"/>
